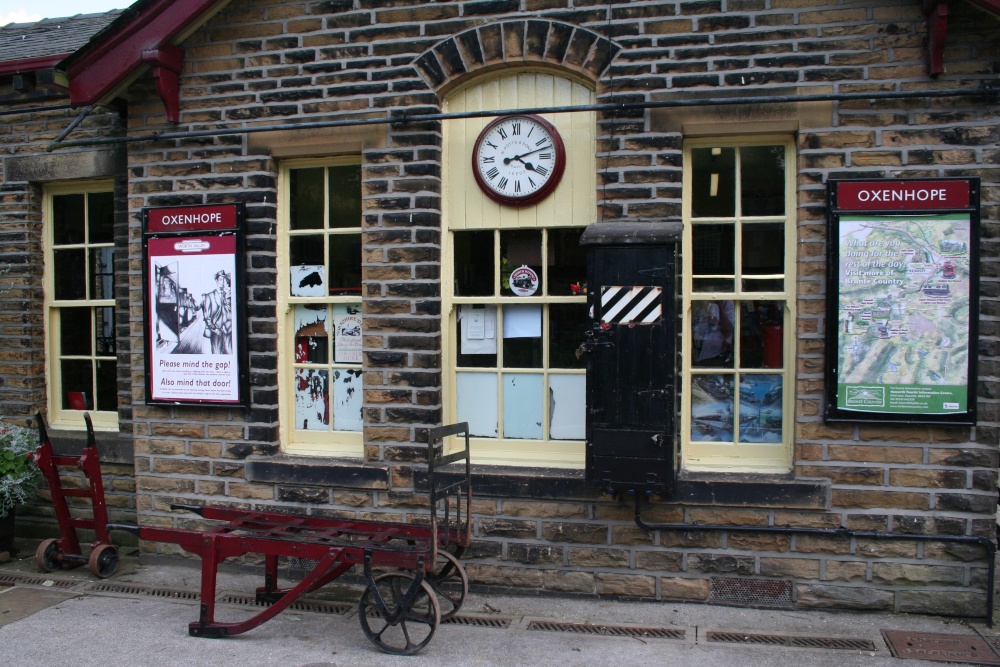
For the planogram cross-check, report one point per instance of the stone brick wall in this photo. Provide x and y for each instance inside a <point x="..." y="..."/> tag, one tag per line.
<point x="266" y="62"/>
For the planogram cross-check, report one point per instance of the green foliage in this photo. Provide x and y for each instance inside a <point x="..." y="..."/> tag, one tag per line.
<point x="19" y="476"/>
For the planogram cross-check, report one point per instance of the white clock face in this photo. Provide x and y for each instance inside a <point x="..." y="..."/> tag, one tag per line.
<point x="518" y="159"/>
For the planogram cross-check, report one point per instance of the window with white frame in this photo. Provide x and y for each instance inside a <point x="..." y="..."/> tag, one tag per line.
<point x="739" y="290"/>
<point x="81" y="361"/>
<point x="320" y="294"/>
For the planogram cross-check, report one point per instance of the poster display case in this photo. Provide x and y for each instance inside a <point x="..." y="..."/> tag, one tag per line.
<point x="196" y="352"/>
<point x="902" y="300"/>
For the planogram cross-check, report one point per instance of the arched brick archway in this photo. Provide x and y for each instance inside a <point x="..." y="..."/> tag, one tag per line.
<point x="510" y="43"/>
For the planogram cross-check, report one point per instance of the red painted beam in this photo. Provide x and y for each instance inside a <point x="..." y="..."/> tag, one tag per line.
<point x="989" y="5"/>
<point x="30" y="64"/>
<point x="937" y="34"/>
<point x="100" y="68"/>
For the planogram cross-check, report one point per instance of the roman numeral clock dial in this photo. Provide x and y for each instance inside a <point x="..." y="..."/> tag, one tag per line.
<point x="518" y="160"/>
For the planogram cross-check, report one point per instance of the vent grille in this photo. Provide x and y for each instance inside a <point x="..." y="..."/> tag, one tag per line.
<point x="149" y="591"/>
<point x="609" y="630"/>
<point x="502" y="622"/>
<point x="31" y="580"/>
<point x="784" y="640"/>
<point x="750" y="592"/>
<point x="313" y="606"/>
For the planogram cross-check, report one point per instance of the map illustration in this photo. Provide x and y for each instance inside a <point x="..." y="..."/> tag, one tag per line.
<point x="903" y="315"/>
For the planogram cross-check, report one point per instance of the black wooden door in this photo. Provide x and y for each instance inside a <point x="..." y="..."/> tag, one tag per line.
<point x="630" y="367"/>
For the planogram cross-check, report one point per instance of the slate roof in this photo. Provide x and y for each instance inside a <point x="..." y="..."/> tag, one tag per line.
<point x="51" y="37"/>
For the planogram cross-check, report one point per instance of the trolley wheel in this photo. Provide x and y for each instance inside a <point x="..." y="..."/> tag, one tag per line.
<point x="451" y="583"/>
<point x="409" y="618"/>
<point x="103" y="561"/>
<point x="47" y="555"/>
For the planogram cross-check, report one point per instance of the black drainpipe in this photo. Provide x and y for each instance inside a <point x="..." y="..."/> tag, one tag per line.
<point x="989" y="545"/>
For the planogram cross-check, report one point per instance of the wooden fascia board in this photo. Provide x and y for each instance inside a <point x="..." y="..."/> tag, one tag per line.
<point x="30" y="64"/>
<point x="99" y="73"/>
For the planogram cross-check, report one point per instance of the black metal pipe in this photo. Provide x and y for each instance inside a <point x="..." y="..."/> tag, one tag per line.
<point x="988" y="544"/>
<point x="401" y="117"/>
<point x="54" y="107"/>
<point x="70" y="128"/>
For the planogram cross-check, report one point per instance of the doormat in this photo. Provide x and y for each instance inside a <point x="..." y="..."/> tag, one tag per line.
<point x="946" y="648"/>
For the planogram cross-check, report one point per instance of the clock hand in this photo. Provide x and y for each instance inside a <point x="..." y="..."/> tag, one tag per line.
<point x="508" y="160"/>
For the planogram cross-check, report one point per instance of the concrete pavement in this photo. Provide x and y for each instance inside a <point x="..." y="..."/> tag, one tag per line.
<point x="140" y="617"/>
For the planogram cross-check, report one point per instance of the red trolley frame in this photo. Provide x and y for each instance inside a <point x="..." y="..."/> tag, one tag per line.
<point x="399" y="610"/>
<point x="65" y="552"/>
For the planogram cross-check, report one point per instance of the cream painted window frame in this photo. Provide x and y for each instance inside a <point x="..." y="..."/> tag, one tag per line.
<point x="348" y="444"/>
<point x="740" y="457"/>
<point x="572" y="204"/>
<point x="59" y="417"/>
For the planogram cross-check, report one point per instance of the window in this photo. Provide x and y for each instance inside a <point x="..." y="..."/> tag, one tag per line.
<point x="739" y="283"/>
<point x="518" y="325"/>
<point x="513" y="281"/>
<point x="320" y="290"/>
<point x="80" y="306"/>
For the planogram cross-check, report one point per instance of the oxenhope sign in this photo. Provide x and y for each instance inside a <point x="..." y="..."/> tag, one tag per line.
<point x="217" y="218"/>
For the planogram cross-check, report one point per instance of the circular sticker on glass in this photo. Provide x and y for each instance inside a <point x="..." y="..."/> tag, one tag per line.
<point x="523" y="281"/>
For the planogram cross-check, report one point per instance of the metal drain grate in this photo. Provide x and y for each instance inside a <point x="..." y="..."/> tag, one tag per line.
<point x="136" y="589"/>
<point x="314" y="606"/>
<point x="849" y="643"/>
<point x="502" y="622"/>
<point x="609" y="630"/>
<point x="32" y="580"/>
<point x="750" y="592"/>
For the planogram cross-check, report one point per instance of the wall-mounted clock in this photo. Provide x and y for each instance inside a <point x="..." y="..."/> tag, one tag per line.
<point x="518" y="160"/>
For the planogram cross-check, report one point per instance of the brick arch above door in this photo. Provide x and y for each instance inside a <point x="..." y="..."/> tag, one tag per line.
<point x="492" y="46"/>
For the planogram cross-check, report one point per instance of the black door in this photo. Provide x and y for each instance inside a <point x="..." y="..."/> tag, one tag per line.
<point x="630" y="368"/>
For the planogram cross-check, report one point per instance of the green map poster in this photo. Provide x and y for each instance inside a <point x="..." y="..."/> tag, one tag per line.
<point x="903" y="313"/>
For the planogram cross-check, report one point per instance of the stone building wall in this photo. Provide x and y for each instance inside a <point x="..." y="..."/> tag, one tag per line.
<point x="266" y="62"/>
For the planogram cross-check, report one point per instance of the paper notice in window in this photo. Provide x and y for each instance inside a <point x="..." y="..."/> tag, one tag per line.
<point x="479" y="329"/>
<point x="522" y="321"/>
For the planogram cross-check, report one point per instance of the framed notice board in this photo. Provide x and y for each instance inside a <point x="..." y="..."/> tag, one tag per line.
<point x="193" y="269"/>
<point x="902" y="300"/>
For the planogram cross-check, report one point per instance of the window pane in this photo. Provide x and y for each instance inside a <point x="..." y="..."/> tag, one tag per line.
<point x="522" y="405"/>
<point x="763" y="285"/>
<point x="306" y="250"/>
<point x="712" y="324"/>
<point x="567" y="262"/>
<point x="345" y="264"/>
<point x="345" y="196"/>
<point x="521" y="248"/>
<point x="67" y="219"/>
<point x="305" y="198"/>
<point x="522" y="335"/>
<point x="712" y="408"/>
<point x="713" y="249"/>
<point x="102" y="273"/>
<point x="104" y="327"/>
<point x="312" y="406"/>
<point x="567" y="407"/>
<point x="107" y="385"/>
<point x="477" y="336"/>
<point x="477" y="403"/>
<point x="760" y="408"/>
<point x="567" y="324"/>
<point x="475" y="273"/>
<point x="311" y="338"/>
<point x="78" y="385"/>
<point x="70" y="273"/>
<point x="762" y="180"/>
<point x="101" y="217"/>
<point x="713" y="182"/>
<point x="713" y="284"/>
<point x="763" y="248"/>
<point x="347" y="333"/>
<point x="74" y="332"/>
<point x="761" y="334"/>
<point x="347" y="397"/>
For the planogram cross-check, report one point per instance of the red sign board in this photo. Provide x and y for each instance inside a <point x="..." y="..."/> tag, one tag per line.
<point x="187" y="219"/>
<point x="908" y="195"/>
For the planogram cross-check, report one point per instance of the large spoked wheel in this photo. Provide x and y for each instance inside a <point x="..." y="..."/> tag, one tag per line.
<point x="47" y="555"/>
<point x="450" y="582"/>
<point x="103" y="561"/>
<point x="407" y="617"/>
